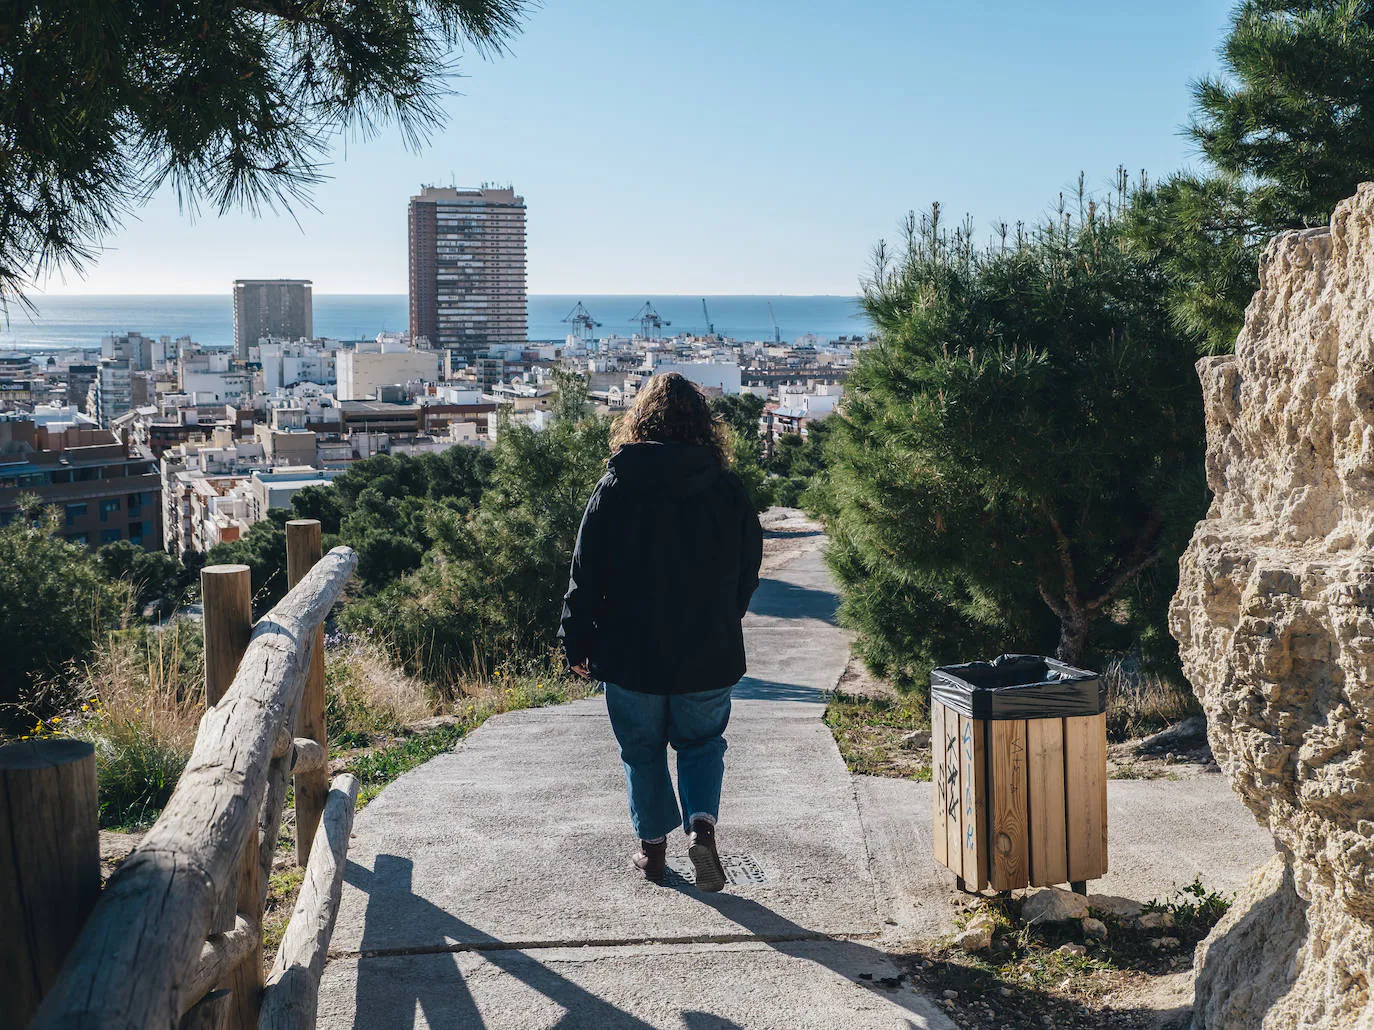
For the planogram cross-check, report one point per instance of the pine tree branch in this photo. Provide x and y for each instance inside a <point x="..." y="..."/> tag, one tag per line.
<point x="1059" y="610"/>
<point x="1065" y="553"/>
<point x="1146" y="554"/>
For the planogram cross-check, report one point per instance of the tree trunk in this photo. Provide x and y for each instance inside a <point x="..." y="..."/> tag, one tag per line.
<point x="1073" y="636"/>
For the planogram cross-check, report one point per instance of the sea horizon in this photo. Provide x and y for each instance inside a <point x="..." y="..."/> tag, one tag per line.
<point x="78" y="321"/>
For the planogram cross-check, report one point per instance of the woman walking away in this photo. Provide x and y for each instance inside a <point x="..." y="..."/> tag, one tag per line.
<point x="666" y="561"/>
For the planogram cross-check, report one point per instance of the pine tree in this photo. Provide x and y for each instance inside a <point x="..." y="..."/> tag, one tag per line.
<point x="1287" y="132"/>
<point x="233" y="103"/>
<point x="56" y="603"/>
<point x="1017" y="454"/>
<point x="1296" y="109"/>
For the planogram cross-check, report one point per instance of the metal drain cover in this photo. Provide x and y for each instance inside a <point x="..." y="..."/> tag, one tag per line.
<point x="739" y="870"/>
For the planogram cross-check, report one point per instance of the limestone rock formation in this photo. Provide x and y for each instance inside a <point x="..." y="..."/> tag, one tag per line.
<point x="1275" y="621"/>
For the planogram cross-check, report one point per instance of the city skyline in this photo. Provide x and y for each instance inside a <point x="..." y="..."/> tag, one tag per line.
<point x="670" y="158"/>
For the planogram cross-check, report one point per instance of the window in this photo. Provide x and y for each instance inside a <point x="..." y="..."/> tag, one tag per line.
<point x="136" y="531"/>
<point x="74" y="512"/>
<point x="135" y="503"/>
<point x="78" y="538"/>
<point x="109" y="536"/>
<point x="108" y="505"/>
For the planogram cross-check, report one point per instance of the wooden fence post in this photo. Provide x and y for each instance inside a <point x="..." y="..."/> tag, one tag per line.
<point x="49" y="864"/>
<point x="227" y="595"/>
<point x="303" y="549"/>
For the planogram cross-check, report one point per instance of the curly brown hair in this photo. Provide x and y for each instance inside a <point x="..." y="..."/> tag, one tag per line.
<point x="671" y="409"/>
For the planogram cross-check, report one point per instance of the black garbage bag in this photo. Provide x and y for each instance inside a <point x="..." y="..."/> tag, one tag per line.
<point x="1018" y="686"/>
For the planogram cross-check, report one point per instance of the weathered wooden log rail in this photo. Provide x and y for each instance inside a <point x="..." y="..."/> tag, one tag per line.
<point x="175" y="938"/>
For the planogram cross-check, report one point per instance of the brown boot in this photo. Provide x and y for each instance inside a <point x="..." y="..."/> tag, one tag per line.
<point x="705" y="858"/>
<point x="652" y="860"/>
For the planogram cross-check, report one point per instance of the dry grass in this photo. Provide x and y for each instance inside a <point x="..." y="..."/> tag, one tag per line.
<point x="139" y="702"/>
<point x="367" y="696"/>
<point x="1141" y="703"/>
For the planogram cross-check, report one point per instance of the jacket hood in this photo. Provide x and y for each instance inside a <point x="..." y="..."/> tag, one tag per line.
<point x="675" y="469"/>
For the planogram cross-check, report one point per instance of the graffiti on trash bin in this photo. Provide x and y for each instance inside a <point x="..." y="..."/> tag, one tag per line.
<point x="952" y="774"/>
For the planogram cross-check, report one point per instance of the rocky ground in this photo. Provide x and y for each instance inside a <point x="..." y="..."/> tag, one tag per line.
<point x="1178" y="752"/>
<point x="1053" y="958"/>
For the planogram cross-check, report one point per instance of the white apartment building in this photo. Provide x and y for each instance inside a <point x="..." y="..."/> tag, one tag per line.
<point x="208" y="377"/>
<point x="274" y="488"/>
<point x="194" y="477"/>
<point x="465" y="433"/>
<point x="143" y="353"/>
<point x="288" y="364"/>
<point x="360" y="374"/>
<point x="816" y="402"/>
<point x="135" y="348"/>
<point x="537" y="419"/>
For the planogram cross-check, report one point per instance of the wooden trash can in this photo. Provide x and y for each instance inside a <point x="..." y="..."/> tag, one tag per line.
<point x="1019" y="771"/>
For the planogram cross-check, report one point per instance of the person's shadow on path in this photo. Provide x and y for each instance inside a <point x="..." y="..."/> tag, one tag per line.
<point x="386" y="1000"/>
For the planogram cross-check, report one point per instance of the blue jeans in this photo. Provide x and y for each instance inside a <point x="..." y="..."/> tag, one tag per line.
<point x="644" y="725"/>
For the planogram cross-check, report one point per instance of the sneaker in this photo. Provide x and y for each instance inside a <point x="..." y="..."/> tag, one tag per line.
<point x="705" y="858"/>
<point x="652" y="860"/>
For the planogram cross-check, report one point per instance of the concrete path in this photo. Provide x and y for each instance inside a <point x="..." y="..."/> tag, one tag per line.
<point x="491" y="888"/>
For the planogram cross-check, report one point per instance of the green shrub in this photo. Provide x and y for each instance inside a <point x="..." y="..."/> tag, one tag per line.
<point x="137" y="769"/>
<point x="492" y="588"/>
<point x="56" y="604"/>
<point x="1019" y="460"/>
<point x="1194" y="908"/>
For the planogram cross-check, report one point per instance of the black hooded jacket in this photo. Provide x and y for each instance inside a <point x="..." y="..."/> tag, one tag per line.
<point x="666" y="561"/>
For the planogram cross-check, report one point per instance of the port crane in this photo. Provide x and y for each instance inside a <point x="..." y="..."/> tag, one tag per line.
<point x="710" y="326"/>
<point x="777" y="333"/>
<point x="582" y="322"/>
<point x="650" y="322"/>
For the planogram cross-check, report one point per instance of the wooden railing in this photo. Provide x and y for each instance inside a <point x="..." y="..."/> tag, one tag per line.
<point x="175" y="938"/>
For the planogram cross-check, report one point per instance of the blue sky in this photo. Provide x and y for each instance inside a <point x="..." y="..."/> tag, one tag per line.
<point x="719" y="147"/>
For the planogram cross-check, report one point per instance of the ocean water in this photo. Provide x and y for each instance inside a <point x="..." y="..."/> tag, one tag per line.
<point x="67" y="322"/>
